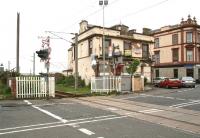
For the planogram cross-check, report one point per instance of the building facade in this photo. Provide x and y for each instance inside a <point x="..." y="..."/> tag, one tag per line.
<point x="177" y="50"/>
<point x="121" y="46"/>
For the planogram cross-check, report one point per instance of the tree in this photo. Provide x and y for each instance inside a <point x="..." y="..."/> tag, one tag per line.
<point x="132" y="67"/>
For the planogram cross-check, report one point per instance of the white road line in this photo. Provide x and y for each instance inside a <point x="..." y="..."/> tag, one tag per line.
<point x="133" y="97"/>
<point x="86" y="131"/>
<point x="150" y="111"/>
<point x="47" y="112"/>
<point x="19" y="127"/>
<point x="180" y="99"/>
<point x="73" y="120"/>
<point x="60" y="125"/>
<point x="90" y="118"/>
<point x="26" y="101"/>
<point x="185" y="104"/>
<point x="188" y="105"/>
<point x="112" y="108"/>
<point x="40" y="105"/>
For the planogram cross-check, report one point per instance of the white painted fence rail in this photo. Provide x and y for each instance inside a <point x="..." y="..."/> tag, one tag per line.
<point x="34" y="87"/>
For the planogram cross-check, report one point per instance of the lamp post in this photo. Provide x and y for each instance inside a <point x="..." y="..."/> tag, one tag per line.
<point x="103" y="3"/>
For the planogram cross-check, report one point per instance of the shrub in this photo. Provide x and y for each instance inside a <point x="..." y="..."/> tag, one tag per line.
<point x="145" y="80"/>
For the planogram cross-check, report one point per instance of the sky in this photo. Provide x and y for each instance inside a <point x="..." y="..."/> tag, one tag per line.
<point x="39" y="16"/>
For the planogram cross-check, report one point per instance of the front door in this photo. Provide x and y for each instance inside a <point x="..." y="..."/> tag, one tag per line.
<point x="198" y="73"/>
<point x="189" y="72"/>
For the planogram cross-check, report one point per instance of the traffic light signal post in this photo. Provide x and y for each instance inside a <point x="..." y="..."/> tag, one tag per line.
<point x="44" y="56"/>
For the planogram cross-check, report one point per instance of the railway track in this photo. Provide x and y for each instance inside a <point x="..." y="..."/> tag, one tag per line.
<point x="182" y="119"/>
<point x="61" y="94"/>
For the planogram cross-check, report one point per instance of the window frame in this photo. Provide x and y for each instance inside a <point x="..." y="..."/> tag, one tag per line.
<point x="127" y="48"/>
<point x="157" y="57"/>
<point x="188" y="57"/>
<point x="189" y="37"/>
<point x="174" y="58"/>
<point x="156" y="43"/>
<point x="174" y="39"/>
<point x="145" y="54"/>
<point x="175" y="73"/>
<point x="90" y="46"/>
<point x="107" y="46"/>
<point x="157" y="73"/>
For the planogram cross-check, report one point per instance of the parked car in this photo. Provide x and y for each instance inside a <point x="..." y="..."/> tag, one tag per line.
<point x="170" y="82"/>
<point x="157" y="80"/>
<point x="198" y="80"/>
<point x="188" y="82"/>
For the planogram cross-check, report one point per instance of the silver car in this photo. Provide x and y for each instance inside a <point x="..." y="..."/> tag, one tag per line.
<point x="188" y="82"/>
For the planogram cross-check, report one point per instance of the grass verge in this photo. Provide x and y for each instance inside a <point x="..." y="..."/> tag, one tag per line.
<point x="5" y="91"/>
<point x="84" y="90"/>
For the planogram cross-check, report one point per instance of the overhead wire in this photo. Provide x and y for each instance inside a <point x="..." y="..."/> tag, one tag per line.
<point x="142" y="9"/>
<point x="91" y="14"/>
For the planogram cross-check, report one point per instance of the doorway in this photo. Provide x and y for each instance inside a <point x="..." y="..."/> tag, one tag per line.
<point x="190" y="72"/>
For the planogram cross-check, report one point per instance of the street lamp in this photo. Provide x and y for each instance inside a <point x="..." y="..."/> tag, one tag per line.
<point x="103" y="3"/>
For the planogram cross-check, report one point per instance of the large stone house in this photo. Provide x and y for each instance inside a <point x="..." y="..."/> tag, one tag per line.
<point x="177" y="50"/>
<point x="121" y="45"/>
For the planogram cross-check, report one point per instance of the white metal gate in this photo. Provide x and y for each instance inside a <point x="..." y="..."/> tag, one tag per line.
<point x="34" y="87"/>
<point x="111" y="83"/>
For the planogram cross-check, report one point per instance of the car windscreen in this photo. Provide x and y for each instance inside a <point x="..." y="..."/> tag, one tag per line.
<point x="187" y="78"/>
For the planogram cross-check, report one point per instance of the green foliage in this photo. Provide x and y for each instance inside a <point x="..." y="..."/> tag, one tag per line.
<point x="4" y="89"/>
<point x="59" y="78"/>
<point x="132" y="67"/>
<point x="80" y="90"/>
<point x="69" y="81"/>
<point x="145" y="80"/>
<point x="6" y="74"/>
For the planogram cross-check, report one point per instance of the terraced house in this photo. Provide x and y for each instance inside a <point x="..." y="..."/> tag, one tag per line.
<point x="177" y="50"/>
<point x="121" y="45"/>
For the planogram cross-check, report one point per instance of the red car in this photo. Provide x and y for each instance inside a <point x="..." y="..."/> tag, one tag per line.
<point x="170" y="82"/>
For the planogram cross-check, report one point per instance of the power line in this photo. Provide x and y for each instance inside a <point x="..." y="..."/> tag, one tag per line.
<point x="142" y="9"/>
<point x="91" y="14"/>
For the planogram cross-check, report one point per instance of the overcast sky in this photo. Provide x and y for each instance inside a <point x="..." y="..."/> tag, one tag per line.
<point x="38" y="16"/>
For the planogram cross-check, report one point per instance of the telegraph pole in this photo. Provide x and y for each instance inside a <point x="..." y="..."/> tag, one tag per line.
<point x="9" y="65"/>
<point x="17" y="48"/>
<point x="34" y="64"/>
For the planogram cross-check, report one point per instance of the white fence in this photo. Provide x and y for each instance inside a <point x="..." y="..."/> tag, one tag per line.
<point x="111" y="83"/>
<point x="34" y="87"/>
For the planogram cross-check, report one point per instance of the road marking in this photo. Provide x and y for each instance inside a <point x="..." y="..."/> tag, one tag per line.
<point x="86" y="131"/>
<point x="40" y="105"/>
<point x="150" y="111"/>
<point x="47" y="112"/>
<point x="26" y="101"/>
<point x="19" y="127"/>
<point x="181" y="99"/>
<point x="112" y="109"/>
<point x="60" y="125"/>
<point x="73" y="120"/>
<point x="160" y="96"/>
<point x="133" y="97"/>
<point x="186" y="104"/>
